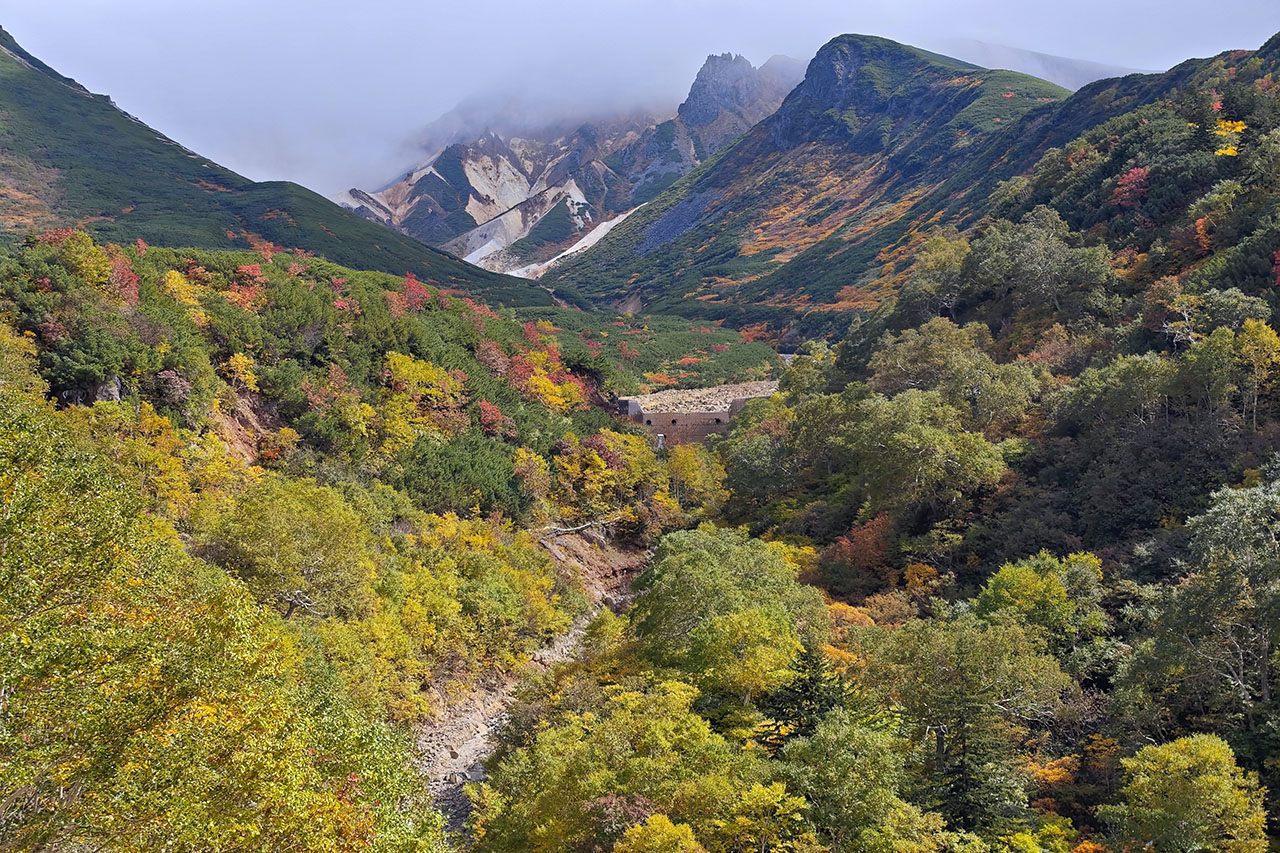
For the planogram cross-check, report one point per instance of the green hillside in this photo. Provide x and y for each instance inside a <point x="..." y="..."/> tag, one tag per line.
<point x="69" y="157"/>
<point x="792" y="226"/>
<point x="995" y="570"/>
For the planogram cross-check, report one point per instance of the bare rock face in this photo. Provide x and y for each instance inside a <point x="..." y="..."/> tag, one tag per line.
<point x="509" y="190"/>
<point x="108" y="391"/>
<point x="730" y="96"/>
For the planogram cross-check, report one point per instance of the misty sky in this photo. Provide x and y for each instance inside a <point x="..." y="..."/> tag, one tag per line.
<point x="329" y="93"/>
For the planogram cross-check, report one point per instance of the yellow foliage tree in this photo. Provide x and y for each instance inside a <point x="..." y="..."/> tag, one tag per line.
<point x="420" y="399"/>
<point x="239" y="368"/>
<point x="1259" y="347"/>
<point x="659" y="835"/>
<point x="177" y="287"/>
<point x="85" y="258"/>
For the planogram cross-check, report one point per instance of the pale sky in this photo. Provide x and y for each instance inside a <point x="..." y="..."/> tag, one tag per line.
<point x="330" y="94"/>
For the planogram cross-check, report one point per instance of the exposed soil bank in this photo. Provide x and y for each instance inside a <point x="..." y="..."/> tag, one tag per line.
<point x="452" y="749"/>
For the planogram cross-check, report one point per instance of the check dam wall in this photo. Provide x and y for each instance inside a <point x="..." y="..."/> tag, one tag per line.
<point x="686" y="416"/>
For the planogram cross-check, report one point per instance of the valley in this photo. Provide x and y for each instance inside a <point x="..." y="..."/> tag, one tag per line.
<point x="453" y="748"/>
<point x="873" y="454"/>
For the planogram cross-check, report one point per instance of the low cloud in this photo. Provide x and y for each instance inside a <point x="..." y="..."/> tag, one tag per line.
<point x="336" y="95"/>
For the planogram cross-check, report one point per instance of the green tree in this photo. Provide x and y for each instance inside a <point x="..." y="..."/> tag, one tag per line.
<point x="854" y="779"/>
<point x="1060" y="597"/>
<point x="935" y="280"/>
<point x="727" y="610"/>
<point x="912" y="450"/>
<point x="1231" y="308"/>
<point x="646" y="744"/>
<point x="1213" y="635"/>
<point x="966" y="692"/>
<point x="1188" y="795"/>
<point x="952" y="360"/>
<point x="1033" y="262"/>
<point x="813" y="691"/>
<point x="299" y="547"/>
<point x="1208" y="370"/>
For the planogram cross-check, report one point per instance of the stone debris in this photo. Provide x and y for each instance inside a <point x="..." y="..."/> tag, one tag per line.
<point x="715" y="399"/>
<point x="452" y="748"/>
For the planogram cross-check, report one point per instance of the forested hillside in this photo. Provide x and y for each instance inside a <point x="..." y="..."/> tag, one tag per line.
<point x="1036" y="481"/>
<point x="997" y="568"/>
<point x="282" y="506"/>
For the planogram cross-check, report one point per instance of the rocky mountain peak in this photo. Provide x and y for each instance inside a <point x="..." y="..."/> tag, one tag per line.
<point x="725" y="81"/>
<point x="730" y="95"/>
<point x="510" y="186"/>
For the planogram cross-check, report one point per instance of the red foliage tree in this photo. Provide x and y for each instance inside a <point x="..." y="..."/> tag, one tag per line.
<point x="396" y="303"/>
<point x="348" y="304"/>
<point x="861" y="562"/>
<point x="251" y="273"/>
<point x="1204" y="240"/>
<point x="416" y="294"/>
<point x="492" y="358"/>
<point x="245" y="296"/>
<point x="1132" y="188"/>
<point x="123" y="281"/>
<point x="322" y="395"/>
<point x="56" y="237"/>
<point x="492" y="421"/>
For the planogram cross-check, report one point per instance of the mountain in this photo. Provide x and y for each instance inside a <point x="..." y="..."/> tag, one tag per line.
<point x="70" y="157"/>
<point x="729" y="97"/>
<point x="1065" y="71"/>
<point x="791" y="225"/>
<point x="509" y="189"/>
<point x="874" y="127"/>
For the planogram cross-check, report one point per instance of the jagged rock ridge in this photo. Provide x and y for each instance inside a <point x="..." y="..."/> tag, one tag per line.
<point x="508" y="191"/>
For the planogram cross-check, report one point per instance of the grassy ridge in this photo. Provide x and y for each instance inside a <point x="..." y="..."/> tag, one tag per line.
<point x="72" y="158"/>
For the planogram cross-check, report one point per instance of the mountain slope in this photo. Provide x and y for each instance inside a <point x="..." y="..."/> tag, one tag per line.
<point x="874" y="127"/>
<point x="69" y="157"/>
<point x="793" y="223"/>
<point x="1063" y="70"/>
<point x="508" y="191"/>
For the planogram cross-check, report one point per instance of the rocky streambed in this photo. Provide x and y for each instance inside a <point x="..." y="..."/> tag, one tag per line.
<point x="452" y="749"/>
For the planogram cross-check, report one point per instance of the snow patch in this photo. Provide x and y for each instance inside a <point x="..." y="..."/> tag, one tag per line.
<point x="595" y="235"/>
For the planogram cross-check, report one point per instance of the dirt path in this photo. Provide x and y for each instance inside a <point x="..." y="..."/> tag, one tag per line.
<point x="453" y="748"/>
